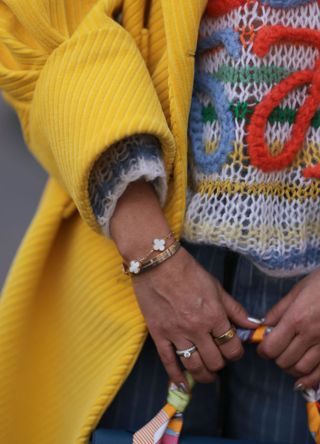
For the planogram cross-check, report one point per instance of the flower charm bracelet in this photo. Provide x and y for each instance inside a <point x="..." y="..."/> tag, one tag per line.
<point x="135" y="266"/>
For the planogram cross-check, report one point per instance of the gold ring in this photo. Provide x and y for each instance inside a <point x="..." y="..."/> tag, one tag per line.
<point x="226" y="337"/>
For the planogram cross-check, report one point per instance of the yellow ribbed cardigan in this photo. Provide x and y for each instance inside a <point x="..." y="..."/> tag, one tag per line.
<point x="70" y="327"/>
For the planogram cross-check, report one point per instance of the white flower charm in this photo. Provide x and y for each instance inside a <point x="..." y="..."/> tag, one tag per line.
<point x="135" y="267"/>
<point x="159" y="244"/>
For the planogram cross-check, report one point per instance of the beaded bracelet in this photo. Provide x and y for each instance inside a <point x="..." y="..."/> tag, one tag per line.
<point x="161" y="257"/>
<point x="157" y="245"/>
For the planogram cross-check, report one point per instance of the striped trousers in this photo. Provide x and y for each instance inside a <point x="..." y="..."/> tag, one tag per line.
<point x="252" y="399"/>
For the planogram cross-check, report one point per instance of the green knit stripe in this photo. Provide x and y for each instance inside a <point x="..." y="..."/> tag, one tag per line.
<point x="263" y="74"/>
<point x="243" y="111"/>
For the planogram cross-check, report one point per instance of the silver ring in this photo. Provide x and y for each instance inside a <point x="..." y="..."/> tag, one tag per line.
<point x="186" y="353"/>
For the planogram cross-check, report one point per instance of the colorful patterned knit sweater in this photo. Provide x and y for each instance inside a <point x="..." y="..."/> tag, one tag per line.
<point x="255" y="134"/>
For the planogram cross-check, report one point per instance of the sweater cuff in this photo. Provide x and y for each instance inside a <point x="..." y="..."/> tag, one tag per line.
<point x="132" y="158"/>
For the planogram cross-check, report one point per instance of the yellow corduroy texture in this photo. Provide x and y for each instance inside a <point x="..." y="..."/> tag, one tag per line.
<point x="70" y="326"/>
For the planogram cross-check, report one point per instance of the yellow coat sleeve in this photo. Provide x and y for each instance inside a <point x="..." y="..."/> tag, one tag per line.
<point x="79" y="83"/>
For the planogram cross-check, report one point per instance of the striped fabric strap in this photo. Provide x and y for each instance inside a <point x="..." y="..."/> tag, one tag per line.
<point x="166" y="426"/>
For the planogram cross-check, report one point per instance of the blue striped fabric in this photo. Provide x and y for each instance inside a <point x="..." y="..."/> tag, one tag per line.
<point x="103" y="436"/>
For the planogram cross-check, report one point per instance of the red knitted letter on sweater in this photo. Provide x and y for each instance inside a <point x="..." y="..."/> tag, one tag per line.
<point x="258" y="149"/>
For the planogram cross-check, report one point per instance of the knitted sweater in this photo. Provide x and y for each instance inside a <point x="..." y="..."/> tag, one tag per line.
<point x="133" y="158"/>
<point x="254" y="129"/>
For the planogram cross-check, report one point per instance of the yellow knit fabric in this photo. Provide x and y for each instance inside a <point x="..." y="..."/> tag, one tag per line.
<point x="70" y="327"/>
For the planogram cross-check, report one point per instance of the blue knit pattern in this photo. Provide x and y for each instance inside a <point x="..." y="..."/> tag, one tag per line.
<point x="129" y="159"/>
<point x="204" y="83"/>
<point x="286" y="4"/>
<point x="306" y="258"/>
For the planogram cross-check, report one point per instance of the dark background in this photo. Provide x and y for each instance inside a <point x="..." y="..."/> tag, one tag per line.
<point x="21" y="183"/>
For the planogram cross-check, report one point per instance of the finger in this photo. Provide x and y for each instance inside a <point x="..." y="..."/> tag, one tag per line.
<point x="231" y="350"/>
<point x="274" y="315"/>
<point x="169" y="360"/>
<point x="194" y="364"/>
<point x="236" y="312"/>
<point x="310" y="381"/>
<point x="293" y="353"/>
<point x="309" y="361"/>
<point x="210" y="353"/>
<point x="276" y="342"/>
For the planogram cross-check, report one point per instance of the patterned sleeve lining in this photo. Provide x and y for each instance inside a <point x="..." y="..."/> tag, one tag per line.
<point x="132" y="158"/>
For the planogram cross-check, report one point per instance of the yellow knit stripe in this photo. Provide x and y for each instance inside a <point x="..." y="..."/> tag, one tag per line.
<point x="273" y="189"/>
<point x="235" y="232"/>
<point x="309" y="155"/>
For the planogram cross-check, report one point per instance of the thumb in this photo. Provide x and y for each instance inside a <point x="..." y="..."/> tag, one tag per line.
<point x="274" y="315"/>
<point x="236" y="312"/>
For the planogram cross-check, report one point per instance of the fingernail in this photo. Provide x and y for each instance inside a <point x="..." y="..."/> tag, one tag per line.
<point x="263" y="320"/>
<point x="298" y="387"/>
<point x="255" y="320"/>
<point x="182" y="387"/>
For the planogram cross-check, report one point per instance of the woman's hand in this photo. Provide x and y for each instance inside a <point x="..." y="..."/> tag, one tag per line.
<point x="182" y="303"/>
<point x="294" y="342"/>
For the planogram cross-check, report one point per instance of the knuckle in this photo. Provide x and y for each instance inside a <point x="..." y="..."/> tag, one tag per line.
<point x="267" y="351"/>
<point x="190" y="323"/>
<point x="301" y="320"/>
<point x="219" y="327"/>
<point x="236" y="307"/>
<point x="281" y="363"/>
<point x="303" y="368"/>
<point x="300" y="368"/>
<point x="235" y="353"/>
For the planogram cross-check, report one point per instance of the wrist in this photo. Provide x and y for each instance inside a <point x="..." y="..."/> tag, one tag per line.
<point x="137" y="220"/>
<point x="167" y="272"/>
<point x="160" y="252"/>
<point x="136" y="244"/>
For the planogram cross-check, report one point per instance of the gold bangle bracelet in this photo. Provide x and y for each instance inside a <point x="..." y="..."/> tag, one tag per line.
<point x="161" y="257"/>
<point x="166" y="254"/>
<point x="162" y="239"/>
<point x="159" y="244"/>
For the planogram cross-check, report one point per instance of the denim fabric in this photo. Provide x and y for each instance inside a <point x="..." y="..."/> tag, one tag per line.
<point x="253" y="399"/>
